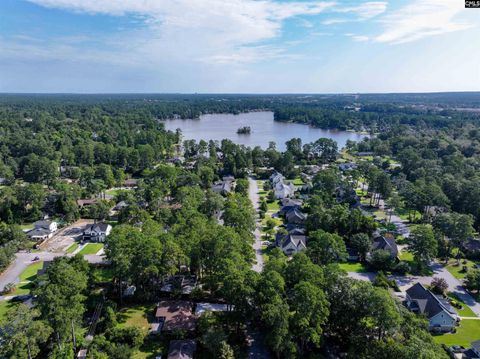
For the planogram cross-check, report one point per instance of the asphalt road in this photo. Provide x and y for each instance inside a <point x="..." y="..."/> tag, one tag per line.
<point x="257" y="245"/>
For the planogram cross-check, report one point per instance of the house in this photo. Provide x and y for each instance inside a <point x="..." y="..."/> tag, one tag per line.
<point x="120" y="205"/>
<point x="295" y="216"/>
<point x="387" y="243"/>
<point x="473" y="352"/>
<point x="441" y="316"/>
<point x="223" y="187"/>
<point x="291" y="243"/>
<point x="471" y="247"/>
<point x="96" y="232"/>
<point x="201" y="308"/>
<point x="284" y="190"/>
<point x="291" y="202"/>
<point x="276" y="177"/>
<point x="86" y="202"/>
<point x="285" y="209"/>
<point x="130" y="183"/>
<point x="182" y="283"/>
<point x="42" y="230"/>
<point x="181" y="349"/>
<point x="347" y="166"/>
<point x="173" y="315"/>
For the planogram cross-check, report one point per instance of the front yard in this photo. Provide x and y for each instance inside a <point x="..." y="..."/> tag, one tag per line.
<point x="353" y="267"/>
<point x="91" y="248"/>
<point x="136" y="316"/>
<point x="457" y="269"/>
<point x="467" y="332"/>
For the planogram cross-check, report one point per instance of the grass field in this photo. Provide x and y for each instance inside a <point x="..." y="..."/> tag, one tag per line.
<point x="5" y="306"/>
<point x="273" y="207"/>
<point x="457" y="270"/>
<point x="136" y="316"/>
<point x="467" y="332"/>
<point x="404" y="214"/>
<point x="102" y="274"/>
<point x="297" y="181"/>
<point x="465" y="311"/>
<point x="72" y="248"/>
<point x="353" y="267"/>
<point x="26" y="278"/>
<point x="406" y="256"/>
<point x="153" y="346"/>
<point x="91" y="248"/>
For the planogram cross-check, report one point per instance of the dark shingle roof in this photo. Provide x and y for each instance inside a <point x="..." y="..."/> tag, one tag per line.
<point x="427" y="302"/>
<point x="386" y="243"/>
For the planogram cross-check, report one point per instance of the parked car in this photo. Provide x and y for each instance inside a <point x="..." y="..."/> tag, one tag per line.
<point x="37" y="258"/>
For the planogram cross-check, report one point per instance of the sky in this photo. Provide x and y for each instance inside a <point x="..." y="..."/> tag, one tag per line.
<point x="238" y="46"/>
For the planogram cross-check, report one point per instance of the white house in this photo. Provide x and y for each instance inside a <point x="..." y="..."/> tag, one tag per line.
<point x="284" y="190"/>
<point x="42" y="230"/>
<point x="97" y="232"/>
<point x="291" y="243"/>
<point x="441" y="316"/>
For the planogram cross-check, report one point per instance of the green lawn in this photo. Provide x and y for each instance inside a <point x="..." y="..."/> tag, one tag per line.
<point x="26" y="278"/>
<point x="152" y="347"/>
<point x="465" y="311"/>
<point x="404" y="214"/>
<point x="72" y="248"/>
<point x="297" y="181"/>
<point x="353" y="267"/>
<point x="273" y="207"/>
<point x="467" y="332"/>
<point x="5" y="305"/>
<point x="91" y="248"/>
<point x="406" y="256"/>
<point x="26" y="226"/>
<point x="136" y="316"/>
<point x="102" y="274"/>
<point x="457" y="270"/>
<point x="30" y="273"/>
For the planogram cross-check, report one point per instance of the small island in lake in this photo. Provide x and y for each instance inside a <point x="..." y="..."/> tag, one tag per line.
<point x="244" y="130"/>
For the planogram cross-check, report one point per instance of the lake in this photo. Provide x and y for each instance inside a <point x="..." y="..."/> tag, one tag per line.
<point x="264" y="129"/>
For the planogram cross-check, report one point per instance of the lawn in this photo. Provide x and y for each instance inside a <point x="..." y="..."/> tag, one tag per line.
<point x="404" y="214"/>
<point x="153" y="346"/>
<point x="5" y="305"/>
<point x="353" y="267"/>
<point x="30" y="273"/>
<point x="72" y="248"/>
<point x="465" y="311"/>
<point x="297" y="181"/>
<point x="91" y="248"/>
<point x="467" y="332"/>
<point x="406" y="256"/>
<point x="102" y="274"/>
<point x="136" y="316"/>
<point x="457" y="270"/>
<point x="26" y="226"/>
<point x="26" y="278"/>
<point x="273" y="207"/>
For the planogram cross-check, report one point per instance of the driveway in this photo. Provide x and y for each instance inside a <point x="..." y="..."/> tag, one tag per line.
<point x="257" y="245"/>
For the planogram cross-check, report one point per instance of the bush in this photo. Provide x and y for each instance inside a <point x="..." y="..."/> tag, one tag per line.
<point x="401" y="268"/>
<point x="131" y="336"/>
<point x="439" y="285"/>
<point x="9" y="288"/>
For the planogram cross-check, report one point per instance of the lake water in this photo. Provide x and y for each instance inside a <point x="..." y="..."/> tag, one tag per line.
<point x="264" y="130"/>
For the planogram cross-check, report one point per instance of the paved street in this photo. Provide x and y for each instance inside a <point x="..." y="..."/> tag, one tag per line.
<point x="257" y="245"/>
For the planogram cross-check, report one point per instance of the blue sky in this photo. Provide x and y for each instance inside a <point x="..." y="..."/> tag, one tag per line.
<point x="254" y="46"/>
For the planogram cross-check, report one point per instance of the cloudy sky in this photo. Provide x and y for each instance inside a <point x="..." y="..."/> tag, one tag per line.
<point x="247" y="46"/>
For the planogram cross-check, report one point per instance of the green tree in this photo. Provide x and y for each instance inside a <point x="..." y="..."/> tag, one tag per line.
<point x="423" y="245"/>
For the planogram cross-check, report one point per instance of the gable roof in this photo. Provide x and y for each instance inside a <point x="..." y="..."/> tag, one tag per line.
<point x="181" y="349"/>
<point x="386" y="243"/>
<point x="100" y="227"/>
<point x="177" y="315"/>
<point x="42" y="224"/>
<point x="295" y="214"/>
<point x="428" y="303"/>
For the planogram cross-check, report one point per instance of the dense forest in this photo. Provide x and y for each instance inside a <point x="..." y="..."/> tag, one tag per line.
<point x="58" y="149"/>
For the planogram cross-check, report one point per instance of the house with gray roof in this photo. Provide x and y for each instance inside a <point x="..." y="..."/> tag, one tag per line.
<point x="295" y="216"/>
<point x="441" y="316"/>
<point x="42" y="230"/>
<point x="387" y="243"/>
<point x="97" y="232"/>
<point x="291" y="243"/>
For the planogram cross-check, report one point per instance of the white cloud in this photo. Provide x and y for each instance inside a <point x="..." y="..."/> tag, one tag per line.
<point x="420" y="19"/>
<point x="358" y="38"/>
<point x="360" y="12"/>
<point x="199" y="29"/>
